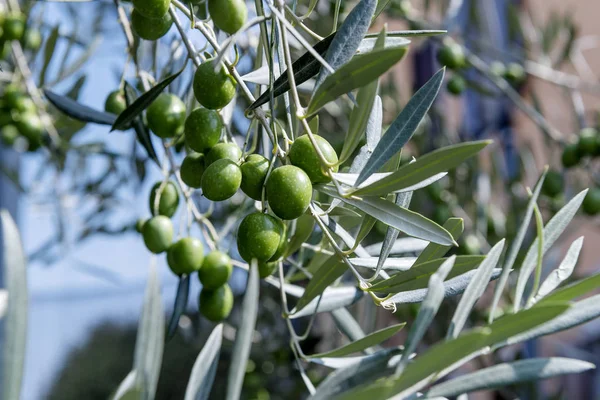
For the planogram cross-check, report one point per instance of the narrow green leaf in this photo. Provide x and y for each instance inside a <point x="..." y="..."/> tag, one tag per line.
<point x="328" y="273"/>
<point x="505" y="374"/>
<point x="425" y="167"/>
<point x="366" y="225"/>
<point x="412" y="33"/>
<point x="393" y="264"/>
<point x="409" y="222"/>
<point x="360" y="71"/>
<point x="128" y="388"/>
<point x="346" y="362"/>
<point x="475" y="289"/>
<point x="78" y="111"/>
<point x="348" y="37"/>
<point x="141" y="131"/>
<point x="455" y="227"/>
<point x="381" y="5"/>
<point x="243" y="337"/>
<point x="15" y="320"/>
<point x="332" y="298"/>
<point x="49" y="50"/>
<point x="574" y="290"/>
<point x="304" y="228"/>
<point x="140" y="104"/>
<point x="181" y="300"/>
<point x="403" y="245"/>
<point x="370" y="340"/>
<point x="418" y="276"/>
<point x="205" y="367"/>
<point x="516" y="245"/>
<point x="348" y="325"/>
<point x="149" y="342"/>
<point x="562" y="273"/>
<point x="403" y="127"/>
<point x="552" y="231"/>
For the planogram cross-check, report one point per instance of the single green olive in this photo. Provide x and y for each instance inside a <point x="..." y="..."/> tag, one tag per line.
<point x="591" y="202"/>
<point x="228" y="15"/>
<point x="254" y="172"/>
<point x="266" y="269"/>
<point x="168" y="201"/>
<point x="214" y="90"/>
<point x="515" y="73"/>
<point x="221" y="180"/>
<point x="166" y="115"/>
<point x="158" y="234"/>
<point x="497" y="68"/>
<point x="9" y="134"/>
<point x="25" y="104"/>
<point x="150" y="28"/>
<point x="303" y="155"/>
<point x="11" y="96"/>
<point x="283" y="242"/>
<point x="216" y="270"/>
<point x="139" y="225"/>
<point x="229" y="151"/>
<point x="192" y="169"/>
<point x="553" y="184"/>
<point x="152" y="8"/>
<point x="32" y="39"/>
<point x="216" y="305"/>
<point x="259" y="237"/>
<point x="30" y="126"/>
<point x="451" y="55"/>
<point x="588" y="142"/>
<point x="115" y="102"/>
<point x="202" y="129"/>
<point x="185" y="256"/>
<point x="456" y="85"/>
<point x="13" y="27"/>
<point x="571" y="155"/>
<point x="289" y="191"/>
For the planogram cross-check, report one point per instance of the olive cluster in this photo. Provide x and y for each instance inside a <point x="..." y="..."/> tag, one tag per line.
<point x="19" y="118"/>
<point x="13" y="27"/>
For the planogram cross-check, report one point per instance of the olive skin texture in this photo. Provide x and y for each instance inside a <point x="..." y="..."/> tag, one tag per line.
<point x="303" y="155"/>
<point x="169" y="199"/>
<point x="158" y="234"/>
<point x="216" y="305"/>
<point x="259" y="236"/>
<point x="185" y="256"/>
<point x="228" y="15"/>
<point x="216" y="270"/>
<point x="229" y="151"/>
<point x="553" y="184"/>
<point x="588" y="142"/>
<point x="452" y="56"/>
<point x="254" y="172"/>
<point x="570" y="156"/>
<point x="266" y="269"/>
<point x="214" y="90"/>
<point x="456" y="85"/>
<point x="282" y="243"/>
<point x="166" y="115"/>
<point x="152" y="8"/>
<point x="139" y="225"/>
<point x="591" y="202"/>
<point x="202" y="129"/>
<point x="150" y="28"/>
<point x="115" y="103"/>
<point x="13" y="27"/>
<point x="192" y="169"/>
<point x="221" y="180"/>
<point x="289" y="192"/>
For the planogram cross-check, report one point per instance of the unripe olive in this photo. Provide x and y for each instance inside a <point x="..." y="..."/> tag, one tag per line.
<point x="515" y="73"/>
<point x="25" y="104"/>
<point x="115" y="102"/>
<point x="169" y="199"/>
<point x="254" y="172"/>
<point x="570" y="156"/>
<point x="591" y="202"/>
<point x="216" y="270"/>
<point x="289" y="191"/>
<point x="192" y="169"/>
<point x="228" y="15"/>
<point x="452" y="56"/>
<point x="30" y="125"/>
<point x="32" y="39"/>
<point x="216" y="305"/>
<point x="158" y="234"/>
<point x="266" y="269"/>
<point x="588" y="142"/>
<point x="13" y="27"/>
<point x="553" y="184"/>
<point x="9" y="134"/>
<point x="202" y="129"/>
<point x="214" y="90"/>
<point x="303" y="155"/>
<point x="150" y="28"/>
<point x="185" y="256"/>
<point x="230" y="151"/>
<point x="152" y="8"/>
<point x="166" y="115"/>
<point x="221" y="180"/>
<point x="259" y="236"/>
<point x="456" y="85"/>
<point x="139" y="225"/>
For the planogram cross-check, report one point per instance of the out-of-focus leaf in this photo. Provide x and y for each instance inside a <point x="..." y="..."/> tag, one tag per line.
<point x="403" y="127"/>
<point x="434" y="251"/>
<point x="509" y="374"/>
<point x="150" y="338"/>
<point x="401" y="246"/>
<point x="78" y="111"/>
<point x="331" y="270"/>
<point x="304" y="227"/>
<point x="381" y="5"/>
<point x="81" y="60"/>
<point x="14" y="333"/>
<point x="425" y="167"/>
<point x="574" y="290"/>
<point x="49" y="50"/>
<point x="350" y="179"/>
<point x="475" y="289"/>
<point x="394" y="264"/>
<point x="370" y="340"/>
<point x="360" y="71"/>
<point x="181" y="299"/>
<point x="345" y="362"/>
<point x="243" y="338"/>
<point x="404" y="220"/>
<point x="552" y="231"/>
<point x="561" y="273"/>
<point x="348" y="37"/>
<point x="516" y="245"/>
<point x="128" y="389"/>
<point x="205" y="367"/>
<point x="333" y="298"/>
<point x="141" y="131"/>
<point x="141" y="103"/>
<point x="347" y="324"/>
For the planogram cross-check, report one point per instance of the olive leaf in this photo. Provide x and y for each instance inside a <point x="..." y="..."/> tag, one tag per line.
<point x="141" y="131"/>
<point x="181" y="299"/>
<point x="78" y="111"/>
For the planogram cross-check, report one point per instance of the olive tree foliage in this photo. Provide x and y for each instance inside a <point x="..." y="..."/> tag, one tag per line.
<point x="328" y="262"/>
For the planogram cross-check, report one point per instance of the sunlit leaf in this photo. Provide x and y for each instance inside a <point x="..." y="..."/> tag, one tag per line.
<point x="205" y="367"/>
<point x="433" y="250"/>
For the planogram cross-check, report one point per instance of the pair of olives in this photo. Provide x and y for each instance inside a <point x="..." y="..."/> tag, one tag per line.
<point x="587" y="145"/>
<point x="19" y="118"/>
<point x="150" y="19"/>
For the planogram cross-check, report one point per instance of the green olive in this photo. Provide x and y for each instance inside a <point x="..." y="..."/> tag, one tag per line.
<point x="254" y="172"/>
<point x="451" y="55"/>
<point x="150" y="28"/>
<point x="9" y="134"/>
<point x="192" y="169"/>
<point x="32" y="39"/>
<point x="154" y="9"/>
<point x="456" y="85"/>
<point x="169" y="199"/>
<point x="591" y="202"/>
<point x="139" y="225"/>
<point x="185" y="256"/>
<point x="158" y="234"/>
<point x="216" y="270"/>
<point x="571" y="155"/>
<point x="266" y="269"/>
<point x="216" y="305"/>
<point x="202" y="129"/>
<point x="13" y="27"/>
<point x="166" y="115"/>
<point x="214" y="90"/>
<point x="289" y="192"/>
<point x="30" y="125"/>
<point x="228" y="15"/>
<point x="259" y="237"/>
<point x="229" y="151"/>
<point x="553" y="184"/>
<point x="303" y="155"/>
<point x="115" y="102"/>
<point x="589" y="141"/>
<point x="221" y="180"/>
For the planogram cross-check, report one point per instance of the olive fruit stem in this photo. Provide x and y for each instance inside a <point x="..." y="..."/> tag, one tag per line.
<point x="232" y="39"/>
<point x="186" y="40"/>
